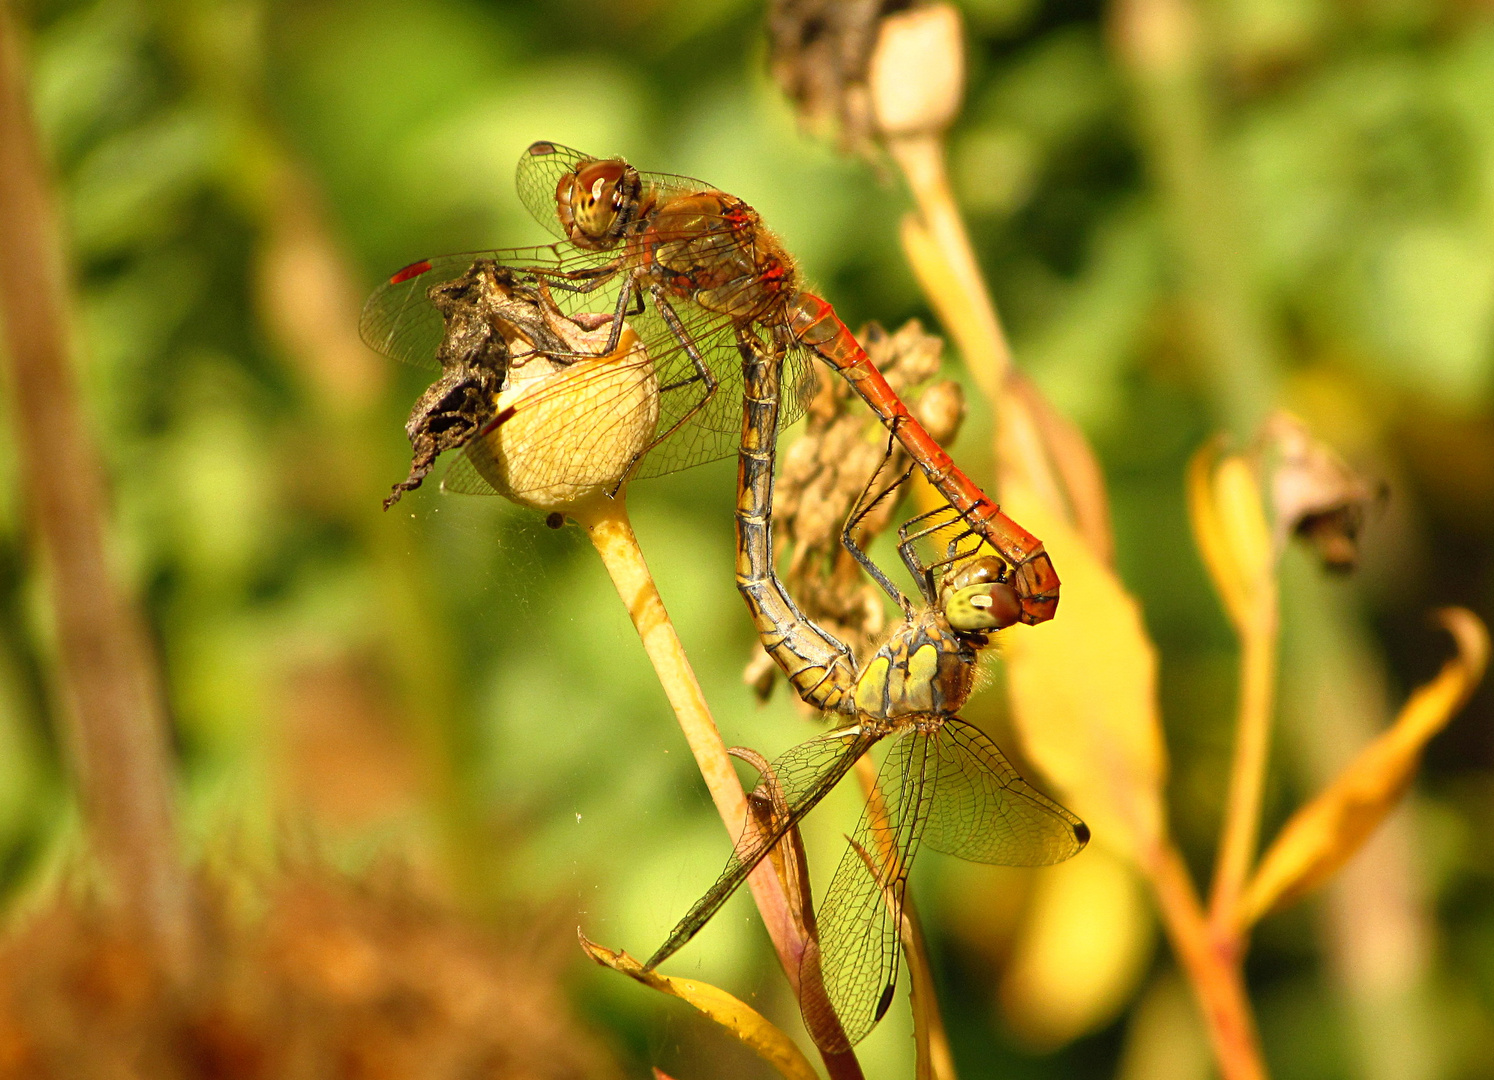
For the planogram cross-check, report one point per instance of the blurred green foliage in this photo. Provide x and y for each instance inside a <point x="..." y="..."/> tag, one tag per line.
<point x="1359" y="138"/>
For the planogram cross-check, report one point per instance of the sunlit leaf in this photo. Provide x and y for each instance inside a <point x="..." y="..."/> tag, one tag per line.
<point x="1325" y="833"/>
<point x="1081" y="953"/>
<point x="736" y="1016"/>
<point x="1084" y="691"/>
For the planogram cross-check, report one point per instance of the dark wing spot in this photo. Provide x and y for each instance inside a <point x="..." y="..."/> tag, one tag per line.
<point x="883" y="1003"/>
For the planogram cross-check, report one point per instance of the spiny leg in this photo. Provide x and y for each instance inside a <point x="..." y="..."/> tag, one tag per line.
<point x="863" y="506"/>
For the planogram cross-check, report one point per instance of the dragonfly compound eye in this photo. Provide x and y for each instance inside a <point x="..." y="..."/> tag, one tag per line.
<point x="596" y="201"/>
<point x="978" y="571"/>
<point x="986" y="606"/>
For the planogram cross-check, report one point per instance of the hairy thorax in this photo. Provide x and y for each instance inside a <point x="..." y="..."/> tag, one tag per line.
<point x="924" y="670"/>
<point x="713" y="250"/>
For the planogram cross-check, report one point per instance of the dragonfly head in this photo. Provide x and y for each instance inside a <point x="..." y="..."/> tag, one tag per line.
<point x="597" y="201"/>
<point x="976" y="597"/>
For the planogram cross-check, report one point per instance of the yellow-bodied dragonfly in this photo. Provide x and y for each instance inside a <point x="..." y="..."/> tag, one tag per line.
<point x="944" y="783"/>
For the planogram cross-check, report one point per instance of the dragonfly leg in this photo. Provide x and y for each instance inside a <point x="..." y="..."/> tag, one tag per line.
<point x="909" y="537"/>
<point x="703" y="373"/>
<point x="865" y="503"/>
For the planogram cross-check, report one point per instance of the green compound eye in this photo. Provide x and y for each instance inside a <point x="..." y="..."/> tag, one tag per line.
<point x="987" y="606"/>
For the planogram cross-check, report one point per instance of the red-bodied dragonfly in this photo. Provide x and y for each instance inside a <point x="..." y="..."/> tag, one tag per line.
<point x="944" y="783"/>
<point x="695" y="271"/>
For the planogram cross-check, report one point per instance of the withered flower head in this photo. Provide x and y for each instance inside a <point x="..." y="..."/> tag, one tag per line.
<point x="868" y="68"/>
<point x="1313" y="493"/>
<point x="524" y="391"/>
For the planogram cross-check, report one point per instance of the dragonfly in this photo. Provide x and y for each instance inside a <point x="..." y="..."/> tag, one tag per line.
<point x="700" y="277"/>
<point x="944" y="783"/>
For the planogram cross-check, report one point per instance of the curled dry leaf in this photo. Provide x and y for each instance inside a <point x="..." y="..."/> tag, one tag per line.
<point x="1229" y="525"/>
<point x="1084" y="692"/>
<point x="1314" y="494"/>
<point x="1324" y="834"/>
<point x="523" y="417"/>
<point x="736" y="1016"/>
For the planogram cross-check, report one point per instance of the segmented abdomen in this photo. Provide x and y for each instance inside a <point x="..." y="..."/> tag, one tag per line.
<point x="820" y="668"/>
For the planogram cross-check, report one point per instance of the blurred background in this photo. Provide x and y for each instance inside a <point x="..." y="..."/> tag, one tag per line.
<point x="449" y="696"/>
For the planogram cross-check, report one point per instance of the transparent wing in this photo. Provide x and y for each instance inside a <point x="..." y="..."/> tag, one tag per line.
<point x="462" y="478"/>
<point x="804" y="776"/>
<point x="399" y="320"/>
<point x="537" y="177"/>
<point x="860" y="918"/>
<point x="983" y="811"/>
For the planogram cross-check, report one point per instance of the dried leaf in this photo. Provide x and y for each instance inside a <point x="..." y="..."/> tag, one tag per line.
<point x="742" y="1020"/>
<point x="1084" y="692"/>
<point x="1326" y="833"/>
<point x="1314" y="493"/>
<point x="1229" y="525"/>
<point x="1082" y="951"/>
<point x="1074" y="465"/>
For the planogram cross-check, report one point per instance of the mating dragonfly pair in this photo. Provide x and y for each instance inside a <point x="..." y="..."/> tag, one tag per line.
<point x="665" y="305"/>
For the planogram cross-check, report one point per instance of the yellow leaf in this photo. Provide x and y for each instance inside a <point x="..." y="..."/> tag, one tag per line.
<point x="1084" y="692"/>
<point x="1230" y="527"/>
<point x="736" y="1016"/>
<point x="1325" y="833"/>
<point x="1083" y="949"/>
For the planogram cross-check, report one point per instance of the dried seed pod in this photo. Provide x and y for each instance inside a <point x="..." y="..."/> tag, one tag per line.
<point x="1313" y="493"/>
<point x="917" y="72"/>
<point x="546" y="416"/>
<point x="544" y="449"/>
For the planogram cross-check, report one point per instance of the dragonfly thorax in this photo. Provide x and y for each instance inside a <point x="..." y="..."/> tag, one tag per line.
<point x="712" y="249"/>
<point x="925" y="669"/>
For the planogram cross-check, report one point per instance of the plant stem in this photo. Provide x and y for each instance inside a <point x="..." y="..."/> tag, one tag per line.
<point x="938" y="247"/>
<point x="960" y="298"/>
<point x="114" y="703"/>
<point x="1247" y="781"/>
<point x="1160" y="43"/>
<point x="607" y="525"/>
<point x="1215" y="977"/>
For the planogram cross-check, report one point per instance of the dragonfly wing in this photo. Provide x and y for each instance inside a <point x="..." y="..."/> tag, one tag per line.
<point x="464" y="479"/>
<point x="400" y="321"/>
<point x="804" y="776"/>
<point x="860" y="919"/>
<point x="983" y="811"/>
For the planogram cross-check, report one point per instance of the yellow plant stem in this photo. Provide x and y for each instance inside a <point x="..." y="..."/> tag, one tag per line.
<point x="939" y="250"/>
<point x="1242" y="813"/>
<point x="606" y="523"/>
<point x="1215" y="977"/>
<point x="961" y="300"/>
